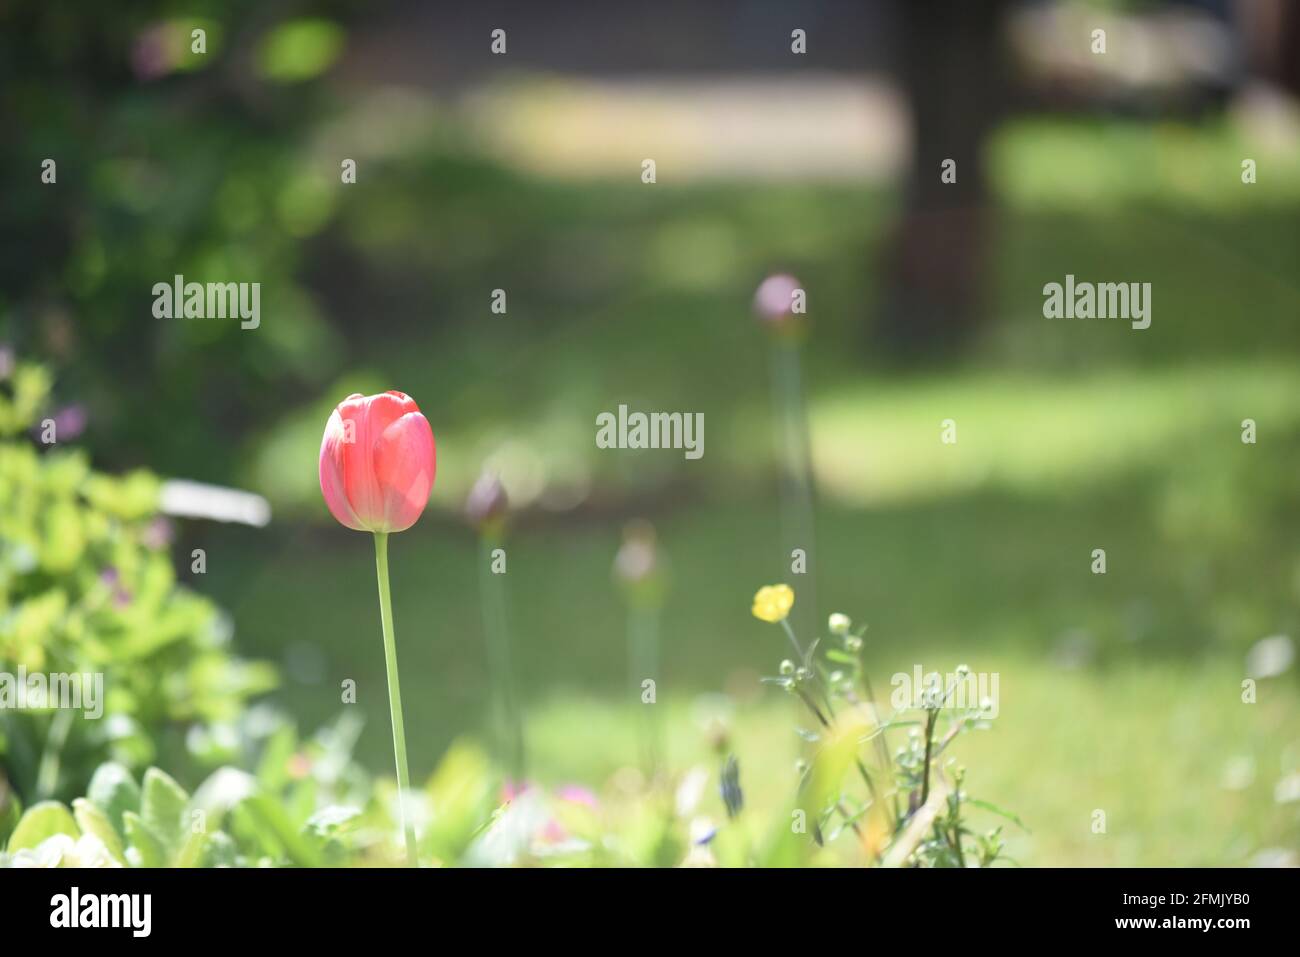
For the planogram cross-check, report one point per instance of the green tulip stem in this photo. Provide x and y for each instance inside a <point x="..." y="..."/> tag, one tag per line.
<point x="795" y="443"/>
<point x="394" y="692"/>
<point x="505" y="705"/>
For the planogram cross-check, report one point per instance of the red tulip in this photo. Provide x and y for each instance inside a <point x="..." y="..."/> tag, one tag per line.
<point x="376" y="472"/>
<point x="377" y="462"/>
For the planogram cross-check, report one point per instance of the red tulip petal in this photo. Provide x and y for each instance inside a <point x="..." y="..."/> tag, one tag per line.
<point x="332" y="464"/>
<point x="405" y="463"/>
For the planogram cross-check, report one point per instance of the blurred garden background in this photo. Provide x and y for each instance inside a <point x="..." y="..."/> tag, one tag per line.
<point x="523" y="172"/>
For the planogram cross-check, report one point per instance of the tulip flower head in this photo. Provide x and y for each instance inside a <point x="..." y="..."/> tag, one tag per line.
<point x="773" y="603"/>
<point x="377" y="462"/>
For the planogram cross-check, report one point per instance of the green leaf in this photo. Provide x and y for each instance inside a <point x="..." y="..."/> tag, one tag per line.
<point x="114" y="791"/>
<point x="272" y="821"/>
<point x="990" y="806"/>
<point x="331" y="821"/>
<point x="11" y="810"/>
<point x="273" y="769"/>
<point x="93" y="820"/>
<point x="299" y="50"/>
<point x="462" y="794"/>
<point x="219" y="851"/>
<point x="787" y="848"/>
<point x="42" y="820"/>
<point x="221" y="792"/>
<point x="162" y="807"/>
<point x="143" y="847"/>
<point x="192" y="851"/>
<point x="65" y="538"/>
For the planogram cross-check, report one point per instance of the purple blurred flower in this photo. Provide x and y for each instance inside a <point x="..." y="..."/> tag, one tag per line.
<point x="702" y="832"/>
<point x="729" y="785"/>
<point x="157" y="534"/>
<point x="110" y="577"/>
<point x="512" y="789"/>
<point x="487" y="503"/>
<point x="577" y="794"/>
<point x="154" y="53"/>
<point x="774" y="300"/>
<point x="70" y="422"/>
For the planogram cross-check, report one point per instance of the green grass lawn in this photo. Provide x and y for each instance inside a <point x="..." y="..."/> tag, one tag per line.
<point x="1152" y="746"/>
<point x="1119" y="693"/>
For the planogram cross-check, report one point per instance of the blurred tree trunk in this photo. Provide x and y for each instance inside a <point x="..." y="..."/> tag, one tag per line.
<point x="951" y="67"/>
<point x="1272" y="32"/>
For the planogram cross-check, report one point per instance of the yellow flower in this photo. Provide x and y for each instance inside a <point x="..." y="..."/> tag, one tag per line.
<point x="773" y="602"/>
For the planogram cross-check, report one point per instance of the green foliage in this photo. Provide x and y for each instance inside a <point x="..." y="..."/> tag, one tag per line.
<point x="307" y="805"/>
<point x="299" y="50"/>
<point x="87" y="587"/>
<point x="215" y="192"/>
<point x="162" y="828"/>
<point x="905" y="808"/>
<point x="294" y="811"/>
<point x="41" y="822"/>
